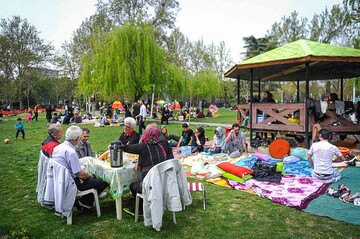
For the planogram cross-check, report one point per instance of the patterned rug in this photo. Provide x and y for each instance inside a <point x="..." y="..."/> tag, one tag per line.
<point x="293" y="191"/>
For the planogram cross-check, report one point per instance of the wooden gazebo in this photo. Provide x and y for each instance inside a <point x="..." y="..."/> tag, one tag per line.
<point x="301" y="60"/>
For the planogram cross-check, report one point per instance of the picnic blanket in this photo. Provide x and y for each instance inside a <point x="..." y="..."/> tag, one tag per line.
<point x="293" y="191"/>
<point x="296" y="189"/>
<point x="329" y="206"/>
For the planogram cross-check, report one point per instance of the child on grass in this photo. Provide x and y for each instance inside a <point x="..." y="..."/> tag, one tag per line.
<point x="19" y="128"/>
<point x="29" y="116"/>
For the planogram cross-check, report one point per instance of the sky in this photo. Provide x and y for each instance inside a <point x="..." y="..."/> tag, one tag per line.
<point x="212" y="21"/>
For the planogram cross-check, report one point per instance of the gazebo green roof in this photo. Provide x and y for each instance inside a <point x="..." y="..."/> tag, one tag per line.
<point x="288" y="63"/>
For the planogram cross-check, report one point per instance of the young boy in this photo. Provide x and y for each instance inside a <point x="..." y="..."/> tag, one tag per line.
<point x="19" y="128"/>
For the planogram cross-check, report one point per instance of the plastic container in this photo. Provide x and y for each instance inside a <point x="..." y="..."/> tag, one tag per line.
<point x="344" y="151"/>
<point x="260" y="118"/>
<point x="185" y="151"/>
<point x="181" y="118"/>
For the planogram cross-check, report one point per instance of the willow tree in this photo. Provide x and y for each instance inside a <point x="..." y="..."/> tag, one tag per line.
<point x="204" y="85"/>
<point x="126" y="63"/>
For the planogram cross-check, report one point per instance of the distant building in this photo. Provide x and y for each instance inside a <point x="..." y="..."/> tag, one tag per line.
<point x="46" y="72"/>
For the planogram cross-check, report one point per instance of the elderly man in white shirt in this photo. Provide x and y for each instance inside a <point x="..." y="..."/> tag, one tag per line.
<point x="65" y="154"/>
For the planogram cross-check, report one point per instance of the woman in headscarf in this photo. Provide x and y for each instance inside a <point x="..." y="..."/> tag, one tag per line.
<point x="219" y="140"/>
<point x="150" y="152"/>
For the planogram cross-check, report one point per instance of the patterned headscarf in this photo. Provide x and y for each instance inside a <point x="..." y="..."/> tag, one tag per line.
<point x="152" y="136"/>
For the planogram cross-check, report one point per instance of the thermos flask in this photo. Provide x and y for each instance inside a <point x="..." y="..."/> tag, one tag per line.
<point x="116" y="154"/>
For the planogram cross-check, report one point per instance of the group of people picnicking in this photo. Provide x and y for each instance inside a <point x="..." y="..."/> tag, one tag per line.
<point x="156" y="145"/>
<point x="153" y="147"/>
<point x="322" y="153"/>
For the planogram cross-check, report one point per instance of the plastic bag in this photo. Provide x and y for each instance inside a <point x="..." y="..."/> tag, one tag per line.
<point x="196" y="167"/>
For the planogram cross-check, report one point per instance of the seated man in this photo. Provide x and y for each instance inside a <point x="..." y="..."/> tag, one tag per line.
<point x="77" y="119"/>
<point x="55" y="119"/>
<point x="235" y="142"/>
<point x="55" y="133"/>
<point x="83" y="148"/>
<point x="165" y="112"/>
<point x="129" y="136"/>
<point x="185" y="137"/>
<point x="65" y="154"/>
<point x="320" y="157"/>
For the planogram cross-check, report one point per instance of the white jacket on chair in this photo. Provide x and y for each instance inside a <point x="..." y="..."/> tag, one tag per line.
<point x="49" y="182"/>
<point x="65" y="189"/>
<point x="164" y="187"/>
<point x="42" y="177"/>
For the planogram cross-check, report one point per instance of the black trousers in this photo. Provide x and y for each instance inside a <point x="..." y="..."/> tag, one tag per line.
<point x="36" y="114"/>
<point x="95" y="183"/>
<point x="22" y="132"/>
<point x="141" y="125"/>
<point x="164" y="119"/>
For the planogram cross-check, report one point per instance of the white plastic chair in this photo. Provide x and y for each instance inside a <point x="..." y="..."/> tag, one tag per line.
<point x="96" y="202"/>
<point x="137" y="202"/>
<point x="168" y="175"/>
<point x="63" y="196"/>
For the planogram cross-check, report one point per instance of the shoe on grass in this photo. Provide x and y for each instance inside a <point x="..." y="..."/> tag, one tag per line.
<point x="351" y="161"/>
<point x="331" y="191"/>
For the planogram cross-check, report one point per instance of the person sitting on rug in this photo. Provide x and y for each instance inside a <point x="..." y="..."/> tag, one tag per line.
<point x="185" y="137"/>
<point x="235" y="142"/>
<point x="198" y="140"/>
<point x="218" y="140"/>
<point x="320" y="157"/>
<point x="163" y="141"/>
<point x="129" y="136"/>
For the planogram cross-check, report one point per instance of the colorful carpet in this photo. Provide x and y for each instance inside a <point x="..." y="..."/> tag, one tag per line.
<point x="293" y="191"/>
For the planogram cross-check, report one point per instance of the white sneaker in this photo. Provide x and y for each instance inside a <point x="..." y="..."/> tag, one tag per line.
<point x="103" y="194"/>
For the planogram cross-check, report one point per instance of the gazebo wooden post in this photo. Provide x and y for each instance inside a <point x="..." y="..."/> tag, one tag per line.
<point x="251" y="100"/>
<point x="238" y="90"/>
<point x="298" y="91"/>
<point x="341" y="89"/>
<point x="259" y="90"/>
<point x="307" y="91"/>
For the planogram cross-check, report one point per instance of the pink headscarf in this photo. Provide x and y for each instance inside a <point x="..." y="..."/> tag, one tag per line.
<point x="152" y="136"/>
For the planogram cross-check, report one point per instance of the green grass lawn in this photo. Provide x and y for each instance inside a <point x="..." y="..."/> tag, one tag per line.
<point x="229" y="214"/>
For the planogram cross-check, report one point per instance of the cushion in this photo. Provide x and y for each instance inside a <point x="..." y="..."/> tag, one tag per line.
<point x="280" y="168"/>
<point x="299" y="152"/>
<point x="234" y="169"/>
<point x="279" y="148"/>
<point x="291" y="159"/>
<point x="234" y="177"/>
<point x="262" y="156"/>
